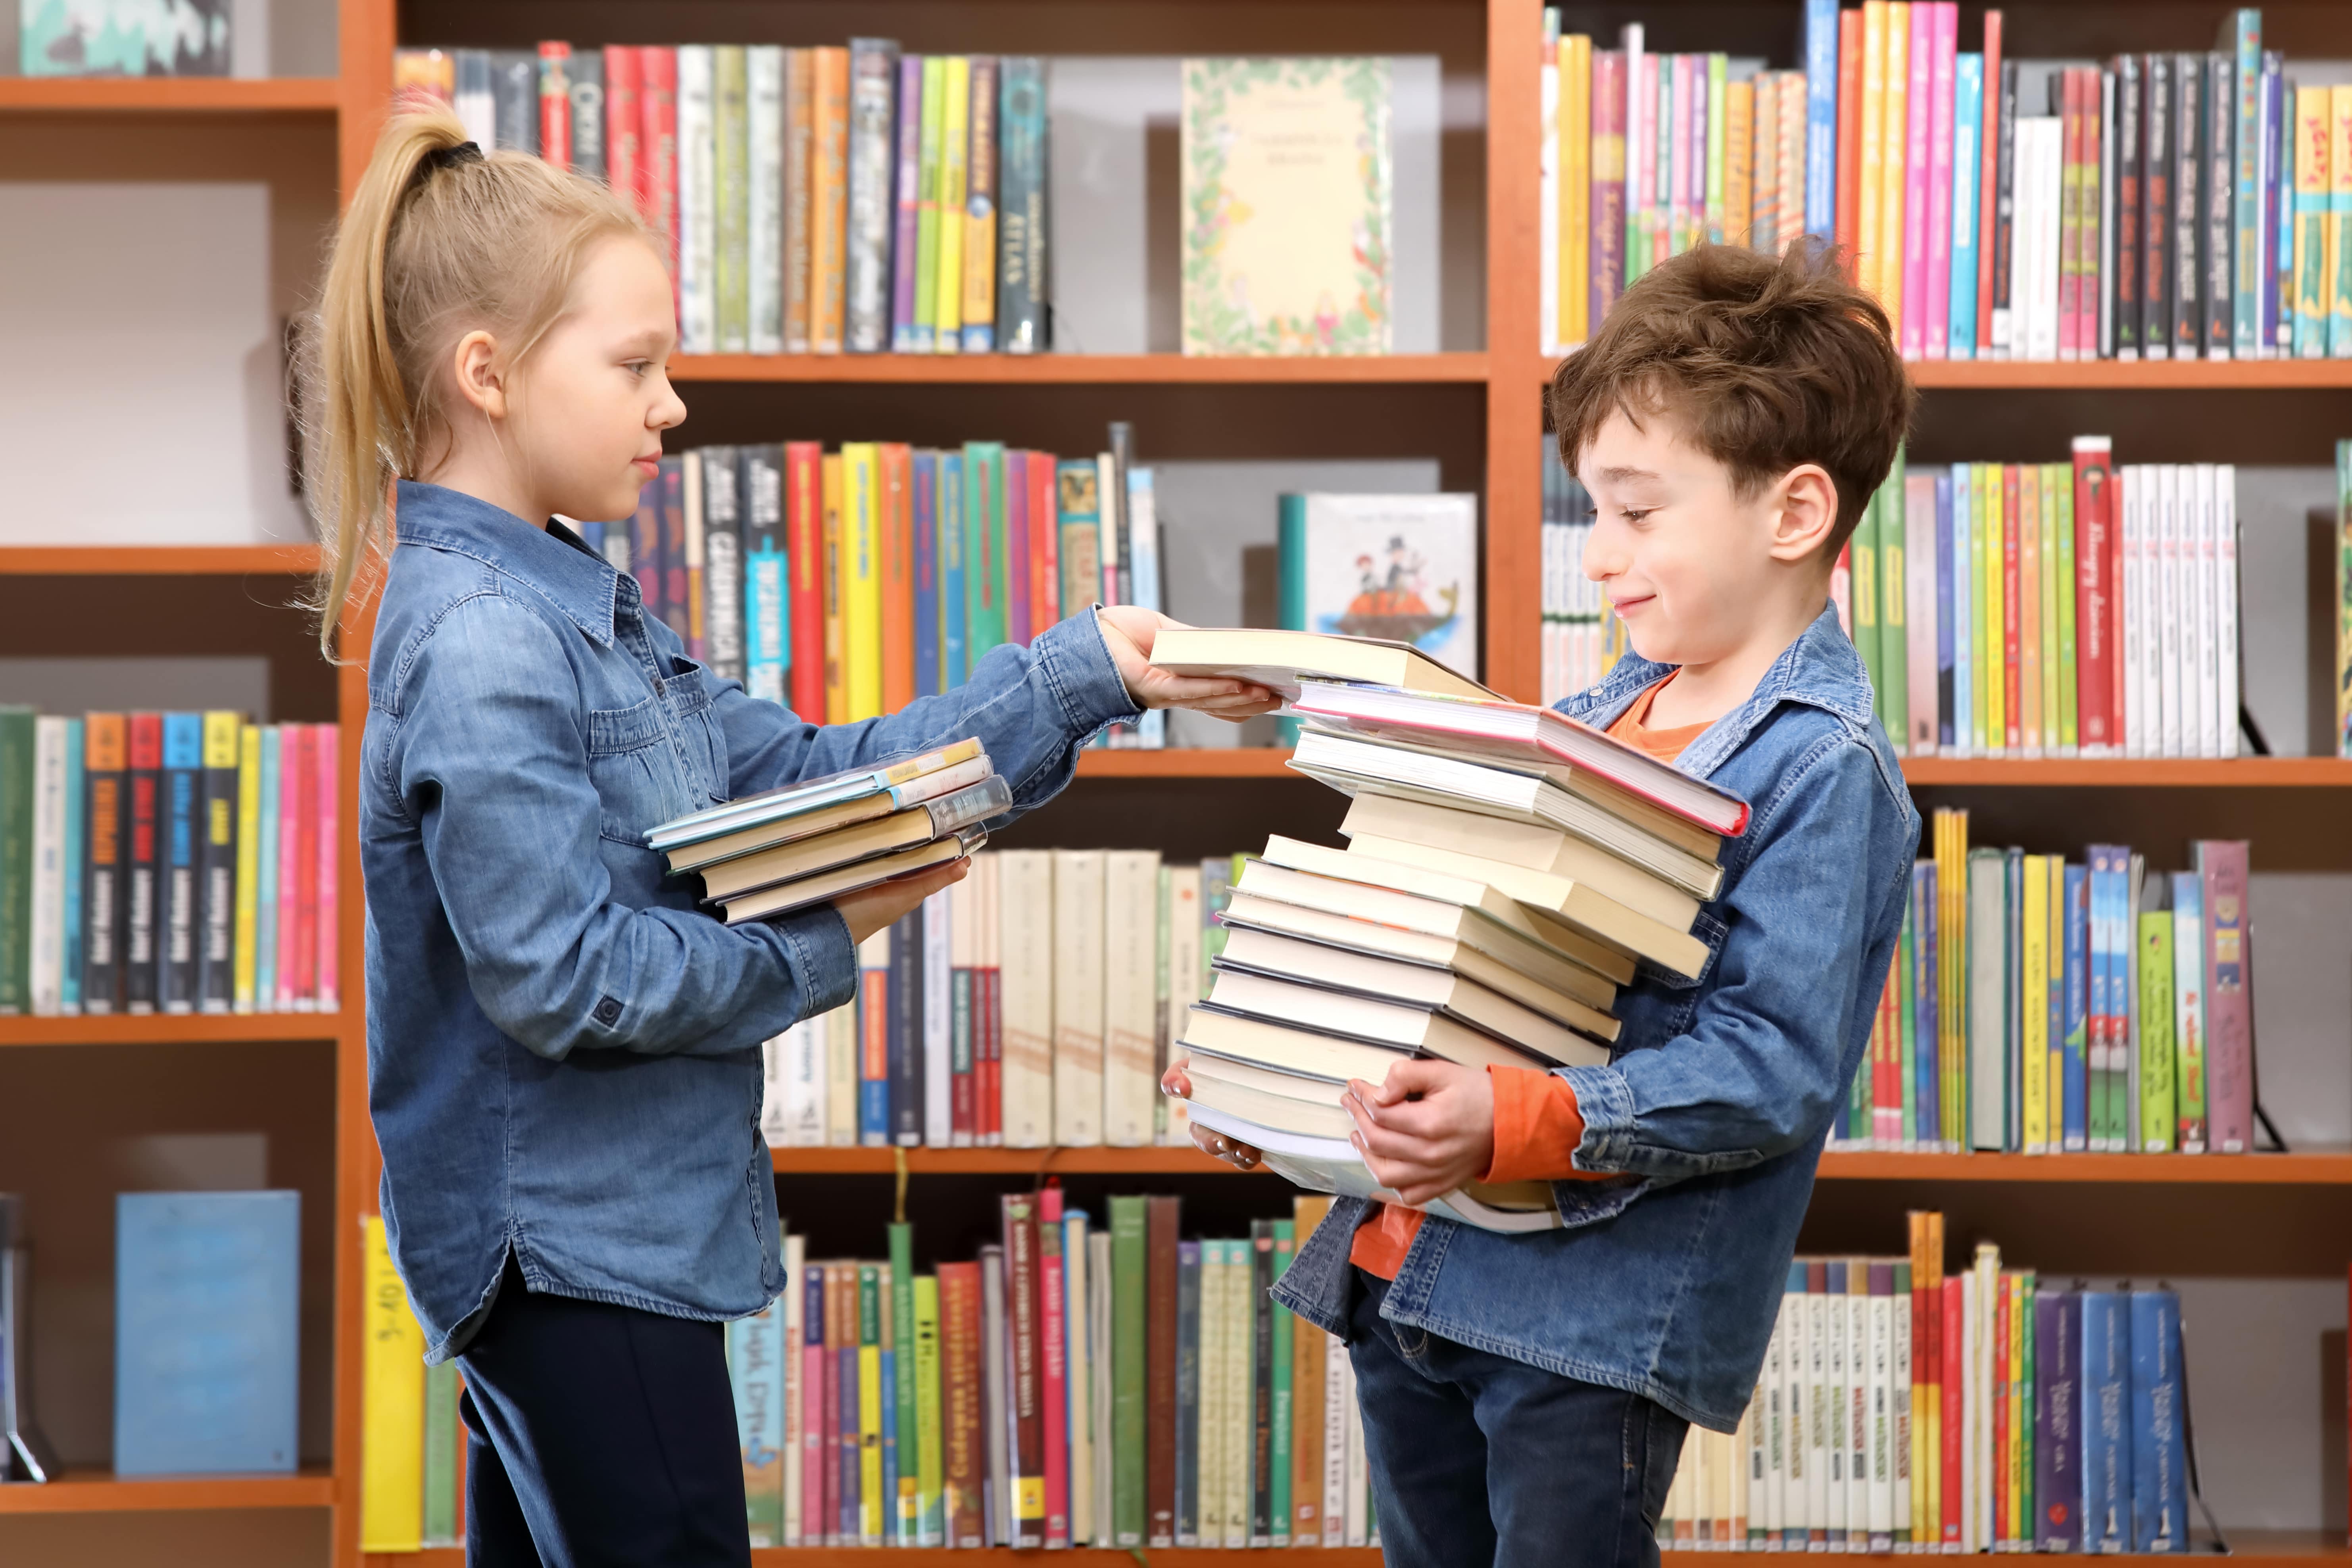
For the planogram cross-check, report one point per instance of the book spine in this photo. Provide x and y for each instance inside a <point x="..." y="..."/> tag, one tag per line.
<point x="43" y="891"/>
<point x="1162" y="1217"/>
<point x="941" y="914"/>
<point x="873" y="68"/>
<point x="392" y="1483"/>
<point x="2222" y="865"/>
<point x="1575" y="209"/>
<point x="1934" y="240"/>
<point x="1022" y="275"/>
<point x="764" y="198"/>
<point x="2068" y="89"/>
<point x="1606" y="203"/>
<point x="2001" y="160"/>
<point x="799" y="195"/>
<point x="906" y="206"/>
<point x="1055" y="1350"/>
<point x="624" y="127"/>
<point x="874" y="1503"/>
<point x="1185" y="1437"/>
<point x="804" y="561"/>
<point x="2191" y="129"/>
<point x="1823" y="80"/>
<point x="1026" y="1522"/>
<point x="1284" y="1330"/>
<point x="2245" y="30"/>
<point x="2070" y="918"/>
<point x="730" y="195"/>
<point x="828" y="198"/>
<point x="905" y="1026"/>
<point x="964" y="1477"/>
<point x="931" y="151"/>
<point x="248" y="862"/>
<point x="873" y="1003"/>
<point x="1918" y="173"/>
<point x="106" y="828"/>
<point x="215" y="871"/>
<point x="555" y="103"/>
<point x="722" y="560"/>
<point x="979" y="210"/>
<point x="954" y="545"/>
<point x="954" y="195"/>
<point x="697" y="212"/>
<point x="755" y="1372"/>
<point x="984" y="562"/>
<point x="862" y="588"/>
<point x="182" y="867"/>
<point x="990" y="1063"/>
<point x="2220" y="228"/>
<point x="2156" y="1485"/>
<point x="1128" y="1316"/>
<point x="2337" y="265"/>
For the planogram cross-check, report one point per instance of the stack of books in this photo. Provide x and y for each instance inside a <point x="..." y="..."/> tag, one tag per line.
<point x="781" y="850"/>
<point x="1505" y="871"/>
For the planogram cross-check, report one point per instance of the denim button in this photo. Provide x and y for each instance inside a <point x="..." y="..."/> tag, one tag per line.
<point x="607" y="1011"/>
<point x="659" y="689"/>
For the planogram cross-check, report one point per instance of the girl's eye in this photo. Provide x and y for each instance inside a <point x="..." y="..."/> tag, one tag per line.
<point x="638" y="367"/>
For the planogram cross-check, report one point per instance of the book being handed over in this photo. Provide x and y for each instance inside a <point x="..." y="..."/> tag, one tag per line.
<point x="785" y="850"/>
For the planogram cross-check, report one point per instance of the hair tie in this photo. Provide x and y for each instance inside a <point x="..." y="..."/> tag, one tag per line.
<point x="442" y="158"/>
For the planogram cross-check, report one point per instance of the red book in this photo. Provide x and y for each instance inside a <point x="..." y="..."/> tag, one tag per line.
<point x="1044" y="548"/>
<point x="804" y="559"/>
<point x="326" y="742"/>
<point x="622" y="127"/>
<point x="1054" y="1344"/>
<point x="1016" y="546"/>
<point x="1848" y="131"/>
<point x="1988" y="159"/>
<point x="1027" y="1398"/>
<point x="897" y="462"/>
<point x="1954" y="1405"/>
<point x="2013" y="713"/>
<point x="1888" y="1126"/>
<point x="306" y="861"/>
<point x="146" y="777"/>
<point x="555" y="102"/>
<point x="657" y="145"/>
<point x="2095" y="595"/>
<point x="2004" y="1505"/>
<point x="963" y="1458"/>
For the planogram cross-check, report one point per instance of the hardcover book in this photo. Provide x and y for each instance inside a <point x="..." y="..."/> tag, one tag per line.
<point x="123" y="37"/>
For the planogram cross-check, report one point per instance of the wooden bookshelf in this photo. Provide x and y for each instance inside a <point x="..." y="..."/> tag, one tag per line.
<point x="1075" y="369"/>
<point x="2116" y="375"/>
<point x="277" y="95"/>
<point x="2104" y="773"/>
<point x="171" y="1029"/>
<point x="157" y="560"/>
<point x="1185" y="762"/>
<point x="99" y="1492"/>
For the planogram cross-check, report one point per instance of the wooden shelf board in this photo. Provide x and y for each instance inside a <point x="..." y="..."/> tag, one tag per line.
<point x="170" y="1029"/>
<point x="172" y="95"/>
<point x="1204" y="762"/>
<point x="97" y="1491"/>
<point x="2119" y="375"/>
<point x="2113" y="772"/>
<point x="1070" y="369"/>
<point x="2331" y="1167"/>
<point x="1155" y="1161"/>
<point x="156" y="560"/>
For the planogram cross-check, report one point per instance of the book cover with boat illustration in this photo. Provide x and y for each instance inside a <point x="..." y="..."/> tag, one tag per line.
<point x="1403" y="568"/>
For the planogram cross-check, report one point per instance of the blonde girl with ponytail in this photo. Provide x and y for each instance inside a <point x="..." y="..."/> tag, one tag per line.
<point x="564" y="1049"/>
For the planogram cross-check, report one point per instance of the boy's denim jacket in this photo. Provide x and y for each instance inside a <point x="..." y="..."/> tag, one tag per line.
<point x="563" y="1053"/>
<point x="1722" y="1090"/>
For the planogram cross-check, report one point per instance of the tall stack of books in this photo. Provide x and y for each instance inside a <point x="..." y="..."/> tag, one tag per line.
<point x="773" y="853"/>
<point x="1507" y="869"/>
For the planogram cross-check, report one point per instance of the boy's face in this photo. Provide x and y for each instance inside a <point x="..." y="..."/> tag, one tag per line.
<point x="1694" y="570"/>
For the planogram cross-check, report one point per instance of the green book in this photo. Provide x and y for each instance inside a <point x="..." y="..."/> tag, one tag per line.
<point x="731" y="175"/>
<point x="930" y="1518"/>
<point x="2026" y="1388"/>
<point x="1862" y="589"/>
<point x="1127" y="1328"/>
<point x="441" y="1455"/>
<point x="1290" y="582"/>
<point x="907" y="1504"/>
<point x="2060" y="497"/>
<point x="1894" y="645"/>
<point x="1285" y="1244"/>
<point x="926" y="202"/>
<point x="983" y="551"/>
<point x="16" y="858"/>
<point x="2159" y="1117"/>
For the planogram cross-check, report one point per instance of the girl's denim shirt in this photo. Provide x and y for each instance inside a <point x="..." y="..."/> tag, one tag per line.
<point x="563" y="1052"/>
<point x="1721" y="1090"/>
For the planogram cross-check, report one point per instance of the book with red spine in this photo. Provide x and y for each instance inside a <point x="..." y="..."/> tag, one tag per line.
<point x="1989" y="181"/>
<point x="146" y="786"/>
<point x="987" y="1011"/>
<point x="963" y="1469"/>
<point x="1953" y="1427"/>
<point x="326" y="741"/>
<point x="1163" y="1220"/>
<point x="555" y="102"/>
<point x="305" y="862"/>
<point x="804" y="561"/>
<point x="2222" y="864"/>
<point x="896" y="462"/>
<point x="657" y="188"/>
<point x="1849" y="133"/>
<point x="2013" y="708"/>
<point x="1023" y="1392"/>
<point x="1046" y="547"/>
<point x="624" y="131"/>
<point x="2096" y="600"/>
<point x="2069" y="88"/>
<point x="1054" y="1343"/>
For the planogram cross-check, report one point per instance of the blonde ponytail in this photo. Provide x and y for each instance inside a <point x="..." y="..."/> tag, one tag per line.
<point x="438" y="241"/>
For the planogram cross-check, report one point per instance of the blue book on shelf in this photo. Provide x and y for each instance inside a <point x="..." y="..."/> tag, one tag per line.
<point x="1821" y="116"/>
<point x="890" y="1447"/>
<point x="756" y="1373"/>
<point x="2057" y="1396"/>
<point x="2074" y="1014"/>
<point x="206" y="1332"/>
<point x="2107" y="1421"/>
<point x="1927" y="1116"/>
<point x="953" y="563"/>
<point x="1945" y="646"/>
<point x="77" y="806"/>
<point x="1968" y="180"/>
<point x="928" y="680"/>
<point x="265" y="904"/>
<point x="2160" y="1503"/>
<point x="177" y="908"/>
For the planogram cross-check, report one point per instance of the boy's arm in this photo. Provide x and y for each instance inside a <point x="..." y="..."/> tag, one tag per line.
<point x="1812" y="925"/>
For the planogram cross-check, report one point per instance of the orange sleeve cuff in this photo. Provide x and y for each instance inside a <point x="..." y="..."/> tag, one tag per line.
<point x="1536" y="1129"/>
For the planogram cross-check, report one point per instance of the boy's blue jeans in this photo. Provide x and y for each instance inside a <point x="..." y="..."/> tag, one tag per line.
<point x="1479" y="1459"/>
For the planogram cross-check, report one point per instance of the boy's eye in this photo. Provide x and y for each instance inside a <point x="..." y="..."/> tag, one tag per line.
<point x="1636" y="513"/>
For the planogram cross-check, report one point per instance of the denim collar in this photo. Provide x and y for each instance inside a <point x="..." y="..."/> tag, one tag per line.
<point x="1820" y="669"/>
<point x="555" y="564"/>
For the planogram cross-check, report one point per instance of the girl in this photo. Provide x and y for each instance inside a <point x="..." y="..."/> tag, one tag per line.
<point x="563" y="1052"/>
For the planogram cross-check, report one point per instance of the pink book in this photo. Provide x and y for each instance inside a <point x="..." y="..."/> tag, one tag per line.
<point x="293" y="810"/>
<point x="1943" y="36"/>
<point x="1915" y="180"/>
<point x="326" y="748"/>
<point x="814" y="1518"/>
<point x="1642" y="171"/>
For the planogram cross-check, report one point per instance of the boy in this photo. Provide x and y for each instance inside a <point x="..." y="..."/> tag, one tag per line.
<point x="1525" y="1397"/>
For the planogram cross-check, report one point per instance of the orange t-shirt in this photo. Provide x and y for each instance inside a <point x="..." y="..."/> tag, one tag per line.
<point x="1537" y="1124"/>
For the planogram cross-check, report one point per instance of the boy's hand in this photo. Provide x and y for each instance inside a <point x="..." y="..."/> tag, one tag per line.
<point x="1427" y="1129"/>
<point x="1128" y="631"/>
<point x="1234" y="1153"/>
<point x="878" y="908"/>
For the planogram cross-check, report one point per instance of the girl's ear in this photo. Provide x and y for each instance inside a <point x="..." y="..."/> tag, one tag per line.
<point x="481" y="379"/>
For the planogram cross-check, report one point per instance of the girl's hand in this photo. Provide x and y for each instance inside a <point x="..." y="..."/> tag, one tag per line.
<point x="1128" y="631"/>
<point x="1234" y="1153"/>
<point x="1427" y="1129"/>
<point x="877" y="908"/>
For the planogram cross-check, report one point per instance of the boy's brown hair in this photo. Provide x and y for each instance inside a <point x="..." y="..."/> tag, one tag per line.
<point x="1768" y="363"/>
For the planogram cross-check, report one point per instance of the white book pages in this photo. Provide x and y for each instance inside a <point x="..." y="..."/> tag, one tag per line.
<point x="1077" y="997"/>
<point x="2207" y="594"/>
<point x="2171" y="604"/>
<point x="2225" y="606"/>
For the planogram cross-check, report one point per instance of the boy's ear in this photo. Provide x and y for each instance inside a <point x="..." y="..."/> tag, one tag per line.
<point x="1804" y="508"/>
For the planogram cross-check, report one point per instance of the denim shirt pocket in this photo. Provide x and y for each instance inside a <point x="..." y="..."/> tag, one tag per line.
<point x="640" y="776"/>
<point x="702" y="745"/>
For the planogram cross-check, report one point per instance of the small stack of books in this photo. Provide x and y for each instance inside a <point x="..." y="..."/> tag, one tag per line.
<point x="785" y="850"/>
<point x="1507" y="869"/>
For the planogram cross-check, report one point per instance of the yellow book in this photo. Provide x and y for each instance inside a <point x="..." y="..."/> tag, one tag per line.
<point x="2021" y="1409"/>
<point x="1575" y="187"/>
<point x="2314" y="117"/>
<point x="1894" y="164"/>
<point x="861" y="610"/>
<point x="391" y="1410"/>
<point x="836" y="605"/>
<point x="2028" y="525"/>
<point x="1991" y="686"/>
<point x="2055" y="1077"/>
<point x="1870" y="193"/>
<point x="2044" y="478"/>
<point x="955" y="153"/>
<point x="1738" y="160"/>
<point x="2035" y="1046"/>
<point x="2339" y="222"/>
<point x="248" y="860"/>
<point x="872" y="1297"/>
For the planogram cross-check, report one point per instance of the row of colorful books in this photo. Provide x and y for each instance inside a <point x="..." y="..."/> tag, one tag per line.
<point x="166" y="863"/>
<point x="2050" y="1006"/>
<point x="1993" y="1410"/>
<point x="815" y="200"/>
<point x="847" y="583"/>
<point x="2050" y="610"/>
<point x="1583" y="638"/>
<point x="2162" y="205"/>
<point x="1029" y="1005"/>
<point x="1070" y="1385"/>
